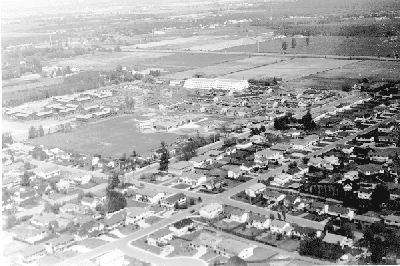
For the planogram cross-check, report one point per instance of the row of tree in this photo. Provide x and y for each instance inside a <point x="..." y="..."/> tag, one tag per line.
<point x="282" y="123"/>
<point x="6" y="139"/>
<point x="35" y="132"/>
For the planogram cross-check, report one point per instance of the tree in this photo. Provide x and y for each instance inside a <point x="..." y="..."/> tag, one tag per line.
<point x="380" y="195"/>
<point x="307" y="41"/>
<point x="305" y="160"/>
<point x="164" y="160"/>
<point x="346" y="88"/>
<point x="115" y="201"/>
<point x="113" y="181"/>
<point x="271" y="216"/>
<point x="284" y="46"/>
<point x="41" y="131"/>
<point x="59" y="72"/>
<point x="308" y="122"/>
<point x="292" y="165"/>
<point x="11" y="221"/>
<point x="25" y="180"/>
<point x="217" y="262"/>
<point x="7" y="139"/>
<point x="346" y="230"/>
<point x="119" y="68"/>
<point x="199" y="199"/>
<point x="176" y="206"/>
<point x="117" y="49"/>
<point x="191" y="201"/>
<point x="293" y="43"/>
<point x="32" y="132"/>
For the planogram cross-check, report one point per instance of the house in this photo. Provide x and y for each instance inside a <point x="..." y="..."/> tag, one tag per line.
<point x="206" y="240"/>
<point x="229" y="247"/>
<point x="351" y="175"/>
<point x="48" y="172"/>
<point x="303" y="232"/>
<point x="193" y="179"/>
<point x="300" y="144"/>
<point x="282" y="178"/>
<point x="244" y="145"/>
<point x="370" y="169"/>
<point x="392" y="220"/>
<point x="115" y="220"/>
<point x="110" y="258"/>
<point x="43" y="220"/>
<point x="273" y="196"/>
<point x="24" y="196"/>
<point x="182" y="227"/>
<point x="248" y="166"/>
<point x="63" y="185"/>
<point x="73" y="208"/>
<point x="136" y="214"/>
<point x="235" y="172"/>
<point x="255" y="189"/>
<point x="383" y="155"/>
<point x="277" y="226"/>
<point x="59" y="244"/>
<point x="198" y="161"/>
<point x="337" y="240"/>
<point x="238" y="215"/>
<point x="364" y="193"/>
<point x="160" y="237"/>
<point x="89" y="202"/>
<point x="169" y="202"/>
<point x="339" y="211"/>
<point x="270" y="155"/>
<point x="211" y="210"/>
<point x="318" y="207"/>
<point x="149" y="195"/>
<point x="32" y="253"/>
<point x="259" y="221"/>
<point x="29" y="235"/>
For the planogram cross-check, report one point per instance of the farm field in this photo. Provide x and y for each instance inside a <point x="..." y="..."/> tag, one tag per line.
<point x="327" y="45"/>
<point x="348" y="74"/>
<point x="111" y="137"/>
<point x="291" y="69"/>
<point x="228" y="67"/>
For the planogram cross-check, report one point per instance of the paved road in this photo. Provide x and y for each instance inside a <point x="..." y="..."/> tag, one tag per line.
<point x="133" y="49"/>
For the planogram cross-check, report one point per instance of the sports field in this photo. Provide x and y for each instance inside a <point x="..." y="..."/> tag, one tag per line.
<point x="111" y="137"/>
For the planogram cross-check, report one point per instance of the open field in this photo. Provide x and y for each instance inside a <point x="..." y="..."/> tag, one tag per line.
<point x="291" y="69"/>
<point x="111" y="137"/>
<point x="327" y="45"/>
<point x="348" y="74"/>
<point x="229" y="67"/>
<point x="18" y="84"/>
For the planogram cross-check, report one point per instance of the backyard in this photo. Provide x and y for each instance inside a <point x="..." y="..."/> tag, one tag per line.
<point x="140" y="243"/>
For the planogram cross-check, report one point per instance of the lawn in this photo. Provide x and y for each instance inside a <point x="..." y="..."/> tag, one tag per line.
<point x="92" y="243"/>
<point x="181" y="186"/>
<point x="140" y="243"/>
<point x="261" y="254"/>
<point x="226" y="225"/>
<point x="152" y="220"/>
<point x="208" y="256"/>
<point x="249" y="231"/>
<point x="289" y="244"/>
<point x="129" y="229"/>
<point x="98" y="138"/>
<point x="220" y="258"/>
<point x="135" y="203"/>
<point x="67" y="254"/>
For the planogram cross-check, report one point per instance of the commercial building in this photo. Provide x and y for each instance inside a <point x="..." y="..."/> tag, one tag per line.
<point x="220" y="84"/>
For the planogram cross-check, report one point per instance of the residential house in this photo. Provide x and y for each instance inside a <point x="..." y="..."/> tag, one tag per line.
<point x="115" y="220"/>
<point x="211" y="210"/>
<point x="297" y="173"/>
<point x="229" y="247"/>
<point x="303" y="232"/>
<point x="248" y="166"/>
<point x="160" y="237"/>
<point x="351" y="175"/>
<point x="59" y="244"/>
<point x="29" y="235"/>
<point x="392" y="220"/>
<point x="300" y="144"/>
<point x="383" y="155"/>
<point x="318" y="207"/>
<point x="244" y="145"/>
<point x="149" y="195"/>
<point x="63" y="185"/>
<point x="255" y="190"/>
<point x="25" y="196"/>
<point x="370" y="169"/>
<point x="339" y="211"/>
<point x="273" y="196"/>
<point x="182" y="227"/>
<point x="364" y="193"/>
<point x="171" y="201"/>
<point x="193" y="179"/>
<point x="277" y="226"/>
<point x="32" y="253"/>
<point x="206" y="240"/>
<point x="238" y="215"/>
<point x="43" y="220"/>
<point x="89" y="202"/>
<point x="199" y="161"/>
<point x="270" y="155"/>
<point x="281" y="179"/>
<point x="235" y="172"/>
<point x="259" y="221"/>
<point x="342" y="241"/>
<point x="137" y="214"/>
<point x="48" y="172"/>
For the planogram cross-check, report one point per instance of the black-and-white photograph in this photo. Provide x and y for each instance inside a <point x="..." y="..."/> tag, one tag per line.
<point x="200" y="132"/>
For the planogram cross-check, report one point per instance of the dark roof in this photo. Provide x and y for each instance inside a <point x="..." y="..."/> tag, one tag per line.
<point x="174" y="198"/>
<point x="236" y="261"/>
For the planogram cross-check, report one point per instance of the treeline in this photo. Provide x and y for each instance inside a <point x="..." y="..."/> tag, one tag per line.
<point x="373" y="30"/>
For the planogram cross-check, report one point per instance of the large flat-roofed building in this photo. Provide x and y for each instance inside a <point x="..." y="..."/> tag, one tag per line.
<point x="221" y="84"/>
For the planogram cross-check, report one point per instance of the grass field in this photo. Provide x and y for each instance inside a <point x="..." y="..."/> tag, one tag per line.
<point x="327" y="45"/>
<point x="291" y="69"/>
<point x="349" y="74"/>
<point x="229" y="67"/>
<point x="111" y="137"/>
